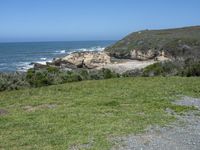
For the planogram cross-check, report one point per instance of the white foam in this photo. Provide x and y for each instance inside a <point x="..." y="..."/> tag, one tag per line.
<point x="2" y="64"/>
<point x="97" y="48"/>
<point x="60" y="51"/>
<point x="43" y="58"/>
<point x="63" y="51"/>
<point x="44" y="62"/>
<point x="24" y="66"/>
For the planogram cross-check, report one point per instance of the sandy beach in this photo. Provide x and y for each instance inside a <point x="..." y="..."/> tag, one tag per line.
<point x="123" y="65"/>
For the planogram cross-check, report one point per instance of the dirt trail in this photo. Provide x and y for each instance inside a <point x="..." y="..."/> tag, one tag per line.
<point x="184" y="134"/>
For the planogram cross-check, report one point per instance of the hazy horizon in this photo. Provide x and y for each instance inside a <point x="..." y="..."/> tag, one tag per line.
<point x="49" y="20"/>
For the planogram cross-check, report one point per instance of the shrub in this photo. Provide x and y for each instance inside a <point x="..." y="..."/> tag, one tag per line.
<point x="70" y="76"/>
<point x="166" y="68"/>
<point x="42" y="77"/>
<point x="133" y="73"/>
<point x="13" y="81"/>
<point x="192" y="69"/>
<point x="153" y="70"/>
<point x="84" y="74"/>
<point x="107" y="74"/>
<point x="51" y="69"/>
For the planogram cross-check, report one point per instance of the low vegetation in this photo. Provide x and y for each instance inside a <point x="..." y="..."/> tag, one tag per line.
<point x="180" y="42"/>
<point x="13" y="81"/>
<point x="53" y="76"/>
<point x="50" y="76"/>
<point x="88" y="114"/>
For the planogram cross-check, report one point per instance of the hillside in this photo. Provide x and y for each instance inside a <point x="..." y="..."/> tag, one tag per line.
<point x="147" y="44"/>
<point x="88" y="114"/>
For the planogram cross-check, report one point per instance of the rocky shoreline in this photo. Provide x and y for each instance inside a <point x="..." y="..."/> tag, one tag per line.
<point x="98" y="60"/>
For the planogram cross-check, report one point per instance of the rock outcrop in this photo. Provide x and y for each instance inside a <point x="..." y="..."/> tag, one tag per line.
<point x="87" y="60"/>
<point x="58" y="62"/>
<point x="140" y="55"/>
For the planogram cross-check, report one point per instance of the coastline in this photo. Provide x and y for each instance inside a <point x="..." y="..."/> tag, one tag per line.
<point x="97" y="60"/>
<point x="18" y="56"/>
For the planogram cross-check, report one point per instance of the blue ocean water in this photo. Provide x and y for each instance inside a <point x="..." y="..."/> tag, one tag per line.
<point x="18" y="56"/>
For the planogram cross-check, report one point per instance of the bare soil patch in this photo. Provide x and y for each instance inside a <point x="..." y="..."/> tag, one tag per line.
<point x="184" y="134"/>
<point x="39" y="107"/>
<point x="3" y="112"/>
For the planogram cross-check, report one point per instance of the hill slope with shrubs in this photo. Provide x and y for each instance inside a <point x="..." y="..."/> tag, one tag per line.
<point x="180" y="42"/>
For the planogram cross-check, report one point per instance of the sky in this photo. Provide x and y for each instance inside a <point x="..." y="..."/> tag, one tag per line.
<point x="81" y="20"/>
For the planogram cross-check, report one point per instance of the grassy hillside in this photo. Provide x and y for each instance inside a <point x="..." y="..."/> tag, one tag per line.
<point x="175" y="42"/>
<point x="88" y="114"/>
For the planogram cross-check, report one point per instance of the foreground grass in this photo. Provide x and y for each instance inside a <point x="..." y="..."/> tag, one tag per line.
<point x="88" y="114"/>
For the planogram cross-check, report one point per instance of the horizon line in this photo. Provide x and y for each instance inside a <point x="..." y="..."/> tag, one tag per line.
<point x="56" y="41"/>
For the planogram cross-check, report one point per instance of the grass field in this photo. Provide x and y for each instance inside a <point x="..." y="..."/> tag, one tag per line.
<point x="86" y="115"/>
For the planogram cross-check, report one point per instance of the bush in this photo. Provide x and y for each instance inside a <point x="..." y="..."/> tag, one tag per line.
<point x="192" y="68"/>
<point x="84" y="74"/>
<point x="13" y="81"/>
<point x="51" y="69"/>
<point x="166" y="68"/>
<point x="153" y="70"/>
<point x="133" y="73"/>
<point x="52" y="76"/>
<point x="43" y="77"/>
<point x="70" y="76"/>
<point x="107" y="74"/>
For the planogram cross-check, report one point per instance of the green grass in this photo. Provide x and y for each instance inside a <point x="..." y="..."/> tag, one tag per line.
<point x="88" y="114"/>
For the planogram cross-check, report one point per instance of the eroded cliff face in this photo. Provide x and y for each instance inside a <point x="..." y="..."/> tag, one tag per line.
<point x="139" y="55"/>
<point x="148" y="55"/>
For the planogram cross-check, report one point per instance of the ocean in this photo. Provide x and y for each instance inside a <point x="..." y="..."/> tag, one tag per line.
<point x="19" y="56"/>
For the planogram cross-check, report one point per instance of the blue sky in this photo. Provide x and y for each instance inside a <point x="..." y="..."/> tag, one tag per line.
<point x="69" y="20"/>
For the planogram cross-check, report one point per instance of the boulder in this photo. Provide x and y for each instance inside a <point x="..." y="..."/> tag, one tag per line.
<point x="38" y="66"/>
<point x="62" y="63"/>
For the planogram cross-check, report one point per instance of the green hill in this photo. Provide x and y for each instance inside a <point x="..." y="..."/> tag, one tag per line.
<point x="88" y="114"/>
<point x="179" y="42"/>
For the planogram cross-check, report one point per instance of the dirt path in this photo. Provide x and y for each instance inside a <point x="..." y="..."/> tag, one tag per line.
<point x="183" y="134"/>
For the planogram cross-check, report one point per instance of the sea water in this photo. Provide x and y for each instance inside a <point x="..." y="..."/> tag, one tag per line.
<point x="19" y="56"/>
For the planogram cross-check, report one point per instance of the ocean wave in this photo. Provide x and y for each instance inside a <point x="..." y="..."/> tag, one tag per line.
<point x="44" y="59"/>
<point x="97" y="48"/>
<point x="24" y="66"/>
<point x="63" y="51"/>
<point x="3" y="64"/>
<point x="70" y="51"/>
<point x="60" y="51"/>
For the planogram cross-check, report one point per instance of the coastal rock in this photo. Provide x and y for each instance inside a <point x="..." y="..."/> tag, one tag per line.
<point x="38" y="65"/>
<point x="87" y="60"/>
<point x="140" y="55"/>
<point x="58" y="62"/>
